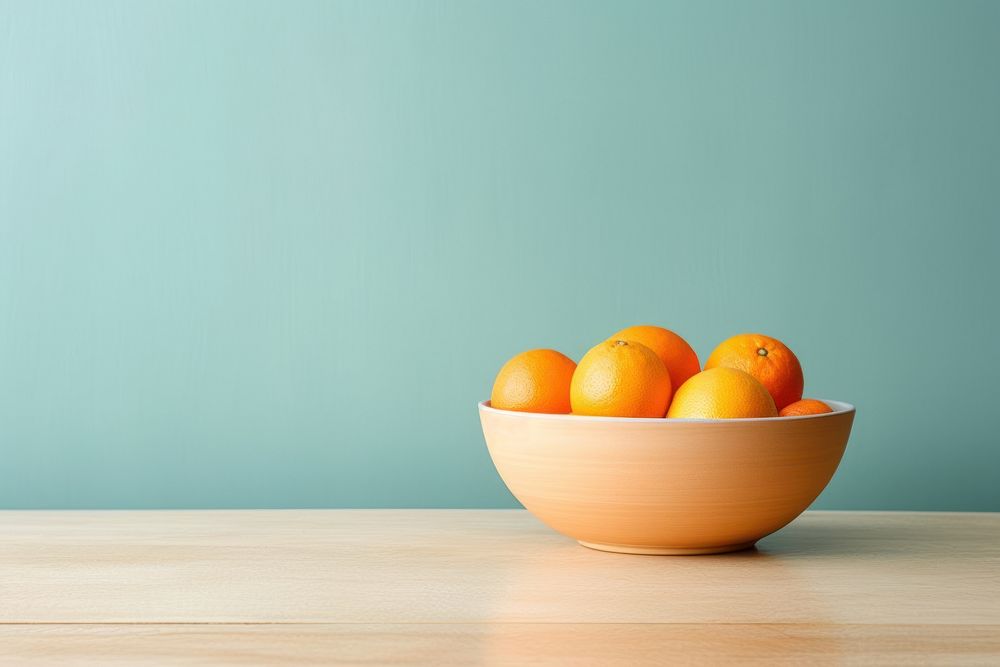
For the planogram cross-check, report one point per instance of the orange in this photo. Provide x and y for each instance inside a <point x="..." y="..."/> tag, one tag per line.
<point x="722" y="393"/>
<point x="807" y="406"/>
<point x="534" y="381"/>
<point x="675" y="353"/>
<point x="620" y="378"/>
<point x="767" y="359"/>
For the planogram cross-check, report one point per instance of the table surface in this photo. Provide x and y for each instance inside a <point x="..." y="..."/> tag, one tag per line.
<point x="486" y="586"/>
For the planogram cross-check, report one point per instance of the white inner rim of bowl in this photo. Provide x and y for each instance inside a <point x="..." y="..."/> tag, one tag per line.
<point x="838" y="407"/>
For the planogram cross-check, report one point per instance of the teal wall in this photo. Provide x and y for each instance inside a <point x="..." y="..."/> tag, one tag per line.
<point x="271" y="254"/>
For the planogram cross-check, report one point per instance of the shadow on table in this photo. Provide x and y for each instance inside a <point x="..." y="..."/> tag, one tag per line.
<point x="879" y="534"/>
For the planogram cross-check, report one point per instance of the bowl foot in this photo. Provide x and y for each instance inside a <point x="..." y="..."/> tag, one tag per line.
<point x="666" y="551"/>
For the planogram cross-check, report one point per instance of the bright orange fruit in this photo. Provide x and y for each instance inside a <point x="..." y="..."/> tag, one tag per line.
<point x="722" y="393"/>
<point x="534" y="381"/>
<point x="807" y="406"/>
<point x="767" y="359"/>
<point x="620" y="378"/>
<point x="675" y="353"/>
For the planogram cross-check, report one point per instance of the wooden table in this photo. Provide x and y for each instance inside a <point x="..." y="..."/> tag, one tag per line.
<point x="486" y="586"/>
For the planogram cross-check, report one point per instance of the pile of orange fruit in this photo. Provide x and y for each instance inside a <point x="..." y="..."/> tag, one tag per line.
<point x="649" y="371"/>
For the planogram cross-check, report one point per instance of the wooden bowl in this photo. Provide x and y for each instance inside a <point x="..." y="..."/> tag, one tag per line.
<point x="666" y="486"/>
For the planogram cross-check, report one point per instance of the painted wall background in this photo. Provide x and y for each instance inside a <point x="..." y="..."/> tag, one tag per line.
<point x="263" y="254"/>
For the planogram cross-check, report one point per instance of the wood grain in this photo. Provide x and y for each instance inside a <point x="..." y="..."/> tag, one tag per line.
<point x="516" y="643"/>
<point x="417" y="586"/>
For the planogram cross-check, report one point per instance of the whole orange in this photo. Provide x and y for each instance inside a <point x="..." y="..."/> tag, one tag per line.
<point x="767" y="359"/>
<point x="534" y="381"/>
<point x="675" y="353"/>
<point x="807" y="406"/>
<point x="620" y="378"/>
<point x="722" y="393"/>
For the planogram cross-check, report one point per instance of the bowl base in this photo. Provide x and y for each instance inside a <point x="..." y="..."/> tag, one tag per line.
<point x="666" y="551"/>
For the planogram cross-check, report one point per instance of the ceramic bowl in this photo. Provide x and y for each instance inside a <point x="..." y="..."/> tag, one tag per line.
<point x="666" y="486"/>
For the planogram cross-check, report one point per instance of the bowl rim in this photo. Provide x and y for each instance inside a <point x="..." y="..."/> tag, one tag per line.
<point x="839" y="408"/>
